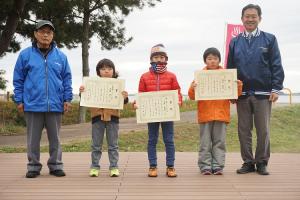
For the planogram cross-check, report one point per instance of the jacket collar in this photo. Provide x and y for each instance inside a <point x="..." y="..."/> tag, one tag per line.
<point x="52" y="44"/>
<point x="254" y="33"/>
<point x="205" y="68"/>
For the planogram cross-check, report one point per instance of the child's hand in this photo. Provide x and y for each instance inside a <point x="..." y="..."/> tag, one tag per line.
<point x="134" y="105"/>
<point x="179" y="103"/>
<point x="233" y="101"/>
<point x="125" y="94"/>
<point x="81" y="88"/>
<point x="194" y="84"/>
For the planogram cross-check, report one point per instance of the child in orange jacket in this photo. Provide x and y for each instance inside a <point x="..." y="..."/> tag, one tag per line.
<point x="213" y="117"/>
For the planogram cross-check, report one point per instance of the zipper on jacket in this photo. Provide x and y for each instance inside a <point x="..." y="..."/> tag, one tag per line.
<point x="157" y="82"/>
<point x="47" y="94"/>
<point x="46" y="75"/>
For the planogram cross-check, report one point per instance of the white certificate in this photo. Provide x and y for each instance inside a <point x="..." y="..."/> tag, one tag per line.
<point x="102" y="93"/>
<point x="216" y="84"/>
<point x="157" y="106"/>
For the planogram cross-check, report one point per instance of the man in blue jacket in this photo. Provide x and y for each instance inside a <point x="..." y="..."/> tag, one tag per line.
<point x="43" y="90"/>
<point x="256" y="56"/>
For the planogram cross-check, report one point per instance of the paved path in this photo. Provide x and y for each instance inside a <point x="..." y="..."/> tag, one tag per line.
<point x="133" y="184"/>
<point x="81" y="131"/>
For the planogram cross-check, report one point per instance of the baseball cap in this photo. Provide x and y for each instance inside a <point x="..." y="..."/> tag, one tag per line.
<point x="42" y="23"/>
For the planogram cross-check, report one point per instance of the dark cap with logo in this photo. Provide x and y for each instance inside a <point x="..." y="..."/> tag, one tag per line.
<point x="42" y="23"/>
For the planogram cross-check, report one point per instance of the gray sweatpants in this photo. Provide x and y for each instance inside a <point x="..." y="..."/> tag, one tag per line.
<point x="98" y="130"/>
<point x="258" y="111"/>
<point x="35" y="122"/>
<point x="212" y="145"/>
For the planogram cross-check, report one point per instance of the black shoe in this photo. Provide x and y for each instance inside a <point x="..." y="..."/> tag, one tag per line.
<point x="246" y="168"/>
<point x="58" y="173"/>
<point x="32" y="174"/>
<point x="262" y="169"/>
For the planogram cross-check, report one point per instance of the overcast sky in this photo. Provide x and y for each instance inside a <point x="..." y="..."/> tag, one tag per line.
<point x="186" y="28"/>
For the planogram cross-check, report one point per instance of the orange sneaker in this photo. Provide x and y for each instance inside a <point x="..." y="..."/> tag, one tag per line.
<point x="171" y="172"/>
<point x="152" y="172"/>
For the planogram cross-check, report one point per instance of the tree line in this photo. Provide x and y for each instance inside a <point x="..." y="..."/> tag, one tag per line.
<point x="75" y="21"/>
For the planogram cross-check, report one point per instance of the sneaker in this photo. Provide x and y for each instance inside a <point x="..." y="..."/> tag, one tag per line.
<point x="32" y="174"/>
<point x="246" y="168"/>
<point x="262" y="169"/>
<point x="114" y="172"/>
<point x="171" y="172"/>
<point x="152" y="172"/>
<point x="206" y="172"/>
<point x="57" y="173"/>
<point x="94" y="172"/>
<point x="218" y="171"/>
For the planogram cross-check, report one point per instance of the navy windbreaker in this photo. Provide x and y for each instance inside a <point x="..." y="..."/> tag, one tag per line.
<point x="258" y="63"/>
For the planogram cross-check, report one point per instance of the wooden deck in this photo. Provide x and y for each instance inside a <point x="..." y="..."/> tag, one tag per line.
<point x="133" y="184"/>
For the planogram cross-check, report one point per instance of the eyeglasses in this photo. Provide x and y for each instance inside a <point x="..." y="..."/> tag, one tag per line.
<point x="43" y="32"/>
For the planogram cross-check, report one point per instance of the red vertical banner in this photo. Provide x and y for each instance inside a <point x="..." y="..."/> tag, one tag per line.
<point x="232" y="30"/>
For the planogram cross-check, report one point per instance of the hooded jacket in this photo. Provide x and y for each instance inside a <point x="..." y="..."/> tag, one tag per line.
<point x="41" y="83"/>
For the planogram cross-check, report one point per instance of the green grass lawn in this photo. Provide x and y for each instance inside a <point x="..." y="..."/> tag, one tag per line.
<point x="285" y="136"/>
<point x="13" y="123"/>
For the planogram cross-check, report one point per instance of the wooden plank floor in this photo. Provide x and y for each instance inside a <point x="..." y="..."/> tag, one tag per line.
<point x="133" y="184"/>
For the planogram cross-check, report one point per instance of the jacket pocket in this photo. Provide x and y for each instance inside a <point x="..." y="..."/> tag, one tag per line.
<point x="30" y="90"/>
<point x="264" y="55"/>
<point x="60" y="93"/>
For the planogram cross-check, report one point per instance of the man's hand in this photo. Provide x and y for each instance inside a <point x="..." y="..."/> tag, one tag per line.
<point x="273" y="97"/>
<point x="67" y="106"/>
<point x="20" y="107"/>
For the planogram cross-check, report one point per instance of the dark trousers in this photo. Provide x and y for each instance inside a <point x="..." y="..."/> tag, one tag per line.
<point x="168" y="138"/>
<point x="36" y="122"/>
<point x="252" y="110"/>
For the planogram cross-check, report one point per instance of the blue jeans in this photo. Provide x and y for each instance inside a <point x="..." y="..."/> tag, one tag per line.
<point x="168" y="137"/>
<point x="98" y="130"/>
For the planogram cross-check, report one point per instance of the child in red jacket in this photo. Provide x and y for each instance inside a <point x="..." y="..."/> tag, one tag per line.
<point x="156" y="79"/>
